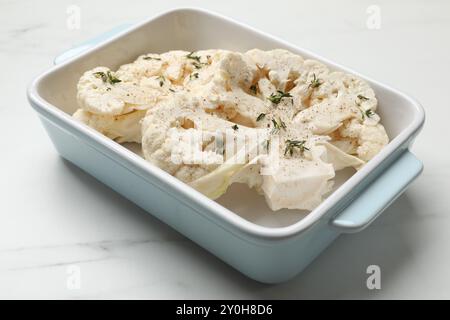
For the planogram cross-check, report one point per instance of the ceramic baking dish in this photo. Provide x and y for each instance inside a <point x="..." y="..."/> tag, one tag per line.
<point x="238" y="228"/>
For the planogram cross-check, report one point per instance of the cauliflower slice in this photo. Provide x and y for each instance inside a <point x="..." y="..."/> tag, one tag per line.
<point x="371" y="138"/>
<point x="297" y="182"/>
<point x="295" y="187"/>
<point x="121" y="128"/>
<point x="339" y="84"/>
<point x="338" y="158"/>
<point x="215" y="183"/>
<point x="101" y="92"/>
<point x="175" y="62"/>
<point x="279" y="66"/>
<point x="178" y="136"/>
<point x="224" y="87"/>
<point x="325" y="117"/>
<point x="144" y="66"/>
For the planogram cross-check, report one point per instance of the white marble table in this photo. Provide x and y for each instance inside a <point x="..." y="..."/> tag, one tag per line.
<point x="56" y="221"/>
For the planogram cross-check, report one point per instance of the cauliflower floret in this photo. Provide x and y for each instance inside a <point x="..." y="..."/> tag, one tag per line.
<point x="338" y="84"/>
<point x="178" y="133"/>
<point x="121" y="128"/>
<point x="325" y="117"/>
<point x="298" y="184"/>
<point x="215" y="183"/>
<point x="224" y="86"/>
<point x="281" y="67"/>
<point x="101" y="92"/>
<point x="338" y="158"/>
<point x="371" y="138"/>
<point x="147" y="65"/>
<point x="352" y="130"/>
<point x="294" y="182"/>
<point x="175" y="62"/>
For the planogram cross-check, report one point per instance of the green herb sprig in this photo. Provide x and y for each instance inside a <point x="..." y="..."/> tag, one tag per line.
<point x="368" y="113"/>
<point x="193" y="76"/>
<point x="198" y="65"/>
<point x="152" y="58"/>
<point x="292" y="144"/>
<point x="107" y="77"/>
<point x="277" y="97"/>
<point x="315" y="82"/>
<point x="192" y="57"/>
<point x="278" y="125"/>
<point x="261" y="116"/>
<point x="361" y="97"/>
<point x="267" y="145"/>
<point x="161" y="80"/>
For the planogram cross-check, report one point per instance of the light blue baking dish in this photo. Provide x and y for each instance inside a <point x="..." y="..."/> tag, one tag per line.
<point x="239" y="229"/>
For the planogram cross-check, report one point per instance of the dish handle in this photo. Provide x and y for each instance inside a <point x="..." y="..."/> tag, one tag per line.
<point x="82" y="47"/>
<point x="376" y="197"/>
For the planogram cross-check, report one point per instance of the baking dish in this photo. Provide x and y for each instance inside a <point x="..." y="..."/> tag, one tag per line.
<point x="239" y="229"/>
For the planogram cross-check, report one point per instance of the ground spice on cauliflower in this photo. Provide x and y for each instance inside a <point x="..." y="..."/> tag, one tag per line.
<point x="314" y="120"/>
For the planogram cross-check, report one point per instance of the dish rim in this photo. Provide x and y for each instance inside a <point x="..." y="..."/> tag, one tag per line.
<point x="223" y="214"/>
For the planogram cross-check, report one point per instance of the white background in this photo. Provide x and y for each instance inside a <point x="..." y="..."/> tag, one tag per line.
<point x="53" y="216"/>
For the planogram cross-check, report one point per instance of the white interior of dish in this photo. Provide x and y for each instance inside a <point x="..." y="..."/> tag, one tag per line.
<point x="194" y="30"/>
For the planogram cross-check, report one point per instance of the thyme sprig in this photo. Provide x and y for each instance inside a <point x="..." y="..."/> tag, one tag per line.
<point x="261" y="116"/>
<point x="152" y="58"/>
<point x="161" y="80"/>
<point x="292" y="144"/>
<point x="278" y="125"/>
<point x="107" y="77"/>
<point x="315" y="82"/>
<point x="198" y="65"/>
<point x="361" y="97"/>
<point x="193" y="76"/>
<point x="277" y="97"/>
<point x="191" y="56"/>
<point x="267" y="144"/>
<point x="368" y="113"/>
